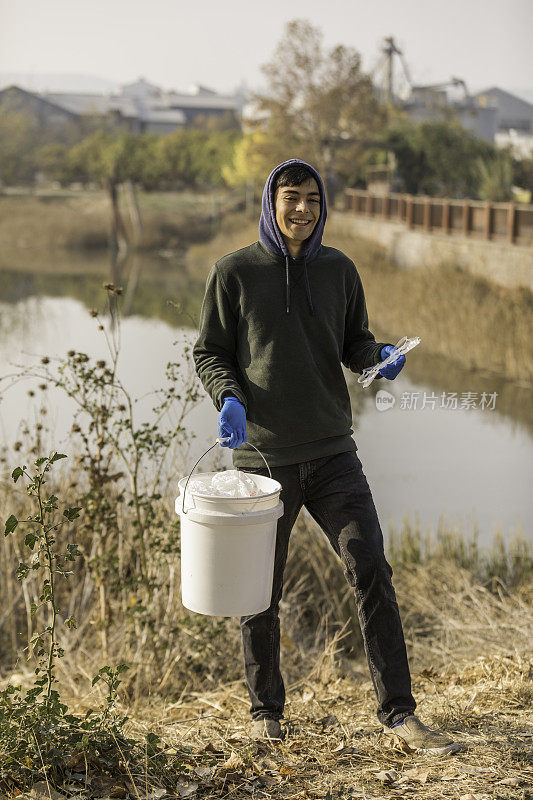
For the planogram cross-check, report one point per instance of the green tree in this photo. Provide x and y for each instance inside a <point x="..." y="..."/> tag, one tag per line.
<point x="495" y="177"/>
<point x="523" y="174"/>
<point x="194" y="158"/>
<point x="437" y="158"/>
<point x="17" y="147"/>
<point x="52" y="160"/>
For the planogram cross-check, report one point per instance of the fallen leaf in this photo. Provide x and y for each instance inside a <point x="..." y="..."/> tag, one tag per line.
<point x="346" y="750"/>
<point x="395" y="743"/>
<point x="233" y="776"/>
<point x="307" y="696"/>
<point x="328" y="722"/>
<point x="186" y="789"/>
<point x="387" y="775"/>
<point x="210" y="748"/>
<point x="206" y="773"/>
<point x="468" y="770"/>
<point x="269" y="763"/>
<point x="267" y="780"/>
<point x="80" y="776"/>
<point x="156" y="794"/>
<point x="118" y="791"/>
<point x="418" y="775"/>
<point x="233" y="762"/>
<point x="287" y="770"/>
<point x="294" y="747"/>
<point x="76" y="761"/>
<point x="40" y="791"/>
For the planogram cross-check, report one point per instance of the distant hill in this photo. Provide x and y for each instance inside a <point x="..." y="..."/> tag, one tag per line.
<point x="58" y="82"/>
<point x="75" y="83"/>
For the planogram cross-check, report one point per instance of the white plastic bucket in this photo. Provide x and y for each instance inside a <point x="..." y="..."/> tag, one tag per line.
<point x="228" y="546"/>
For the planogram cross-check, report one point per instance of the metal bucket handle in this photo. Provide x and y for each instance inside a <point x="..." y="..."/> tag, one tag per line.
<point x="217" y="441"/>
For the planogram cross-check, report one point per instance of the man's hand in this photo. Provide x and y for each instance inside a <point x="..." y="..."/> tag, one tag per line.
<point x="232" y="423"/>
<point x="391" y="370"/>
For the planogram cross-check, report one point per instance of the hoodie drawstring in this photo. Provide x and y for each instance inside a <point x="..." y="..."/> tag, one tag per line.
<point x="308" y="290"/>
<point x="288" y="287"/>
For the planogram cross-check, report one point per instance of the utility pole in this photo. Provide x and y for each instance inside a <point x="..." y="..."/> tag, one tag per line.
<point x="389" y="50"/>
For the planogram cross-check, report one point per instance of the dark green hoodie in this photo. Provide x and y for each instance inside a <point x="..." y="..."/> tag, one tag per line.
<point x="274" y="332"/>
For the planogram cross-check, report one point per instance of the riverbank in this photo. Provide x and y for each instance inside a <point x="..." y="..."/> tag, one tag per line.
<point x="500" y="262"/>
<point x="466" y="323"/>
<point x="470" y="656"/>
<point x="463" y="319"/>
<point x="31" y="223"/>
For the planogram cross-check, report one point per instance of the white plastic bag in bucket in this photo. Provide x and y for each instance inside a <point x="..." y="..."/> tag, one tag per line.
<point x="228" y="546"/>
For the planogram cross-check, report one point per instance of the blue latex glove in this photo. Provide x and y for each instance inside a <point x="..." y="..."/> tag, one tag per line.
<point x="232" y="423"/>
<point x="391" y="370"/>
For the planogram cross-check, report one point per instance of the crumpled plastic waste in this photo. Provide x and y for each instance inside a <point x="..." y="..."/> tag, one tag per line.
<point x="402" y="346"/>
<point x="232" y="483"/>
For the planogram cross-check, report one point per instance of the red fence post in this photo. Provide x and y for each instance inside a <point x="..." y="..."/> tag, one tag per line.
<point x="401" y="207"/>
<point x="466" y="217"/>
<point x="409" y="211"/>
<point x="427" y="213"/>
<point x="511" y="222"/>
<point x="445" y="216"/>
<point x="487" y="222"/>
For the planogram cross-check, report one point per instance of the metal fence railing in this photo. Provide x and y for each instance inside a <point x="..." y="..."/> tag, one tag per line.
<point x="498" y="222"/>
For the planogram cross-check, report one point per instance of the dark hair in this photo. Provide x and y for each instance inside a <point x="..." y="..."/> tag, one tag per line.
<point x="294" y="175"/>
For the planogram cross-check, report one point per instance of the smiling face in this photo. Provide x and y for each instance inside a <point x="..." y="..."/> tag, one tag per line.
<point x="297" y="213"/>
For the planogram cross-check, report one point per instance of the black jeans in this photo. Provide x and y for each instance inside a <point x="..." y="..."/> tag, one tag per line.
<point x="335" y="491"/>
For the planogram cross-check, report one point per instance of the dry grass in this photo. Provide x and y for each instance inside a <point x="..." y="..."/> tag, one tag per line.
<point x="472" y="676"/>
<point x="335" y="748"/>
<point x="470" y="649"/>
<point x="33" y="223"/>
<point x="237" y="231"/>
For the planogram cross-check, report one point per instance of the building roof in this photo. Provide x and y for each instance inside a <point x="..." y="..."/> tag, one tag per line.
<point x="513" y="112"/>
<point x="11" y="90"/>
<point x="141" y="88"/>
<point x="204" y="100"/>
<point x="93" y="103"/>
<point x="144" y="101"/>
<point x="495" y="97"/>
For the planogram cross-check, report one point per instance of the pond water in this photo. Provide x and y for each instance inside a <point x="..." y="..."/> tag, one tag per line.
<point x="469" y="466"/>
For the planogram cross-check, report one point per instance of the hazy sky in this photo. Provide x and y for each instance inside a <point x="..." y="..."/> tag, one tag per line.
<point x="220" y="43"/>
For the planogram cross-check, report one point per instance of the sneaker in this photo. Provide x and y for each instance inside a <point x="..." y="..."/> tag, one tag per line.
<point x="421" y="738"/>
<point x="266" y="728"/>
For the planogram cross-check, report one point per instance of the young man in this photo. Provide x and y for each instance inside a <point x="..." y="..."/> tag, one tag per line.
<point x="278" y="321"/>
